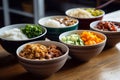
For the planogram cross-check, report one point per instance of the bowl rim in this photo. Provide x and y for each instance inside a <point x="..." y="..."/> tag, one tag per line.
<point x="76" y="31"/>
<point x="49" y="17"/>
<point x="45" y="31"/>
<point x="92" y="26"/>
<point x="33" y="60"/>
<point x="67" y="11"/>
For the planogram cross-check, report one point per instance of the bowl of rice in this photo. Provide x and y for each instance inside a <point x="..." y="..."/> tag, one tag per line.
<point x="56" y="25"/>
<point x="85" y="16"/>
<point x="12" y="36"/>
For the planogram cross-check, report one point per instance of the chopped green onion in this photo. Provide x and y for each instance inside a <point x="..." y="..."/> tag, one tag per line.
<point x="32" y="30"/>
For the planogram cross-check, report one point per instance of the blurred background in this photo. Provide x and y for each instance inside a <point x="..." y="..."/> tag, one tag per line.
<point x="29" y="11"/>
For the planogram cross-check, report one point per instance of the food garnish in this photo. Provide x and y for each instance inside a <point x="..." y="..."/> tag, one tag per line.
<point x="32" y="30"/>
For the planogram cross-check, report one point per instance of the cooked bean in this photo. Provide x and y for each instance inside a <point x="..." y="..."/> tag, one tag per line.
<point x="41" y="52"/>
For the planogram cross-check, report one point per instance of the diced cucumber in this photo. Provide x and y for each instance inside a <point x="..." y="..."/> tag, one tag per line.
<point x="73" y="39"/>
<point x="70" y="42"/>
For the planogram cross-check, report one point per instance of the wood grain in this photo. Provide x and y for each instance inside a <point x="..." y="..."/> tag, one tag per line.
<point x="105" y="66"/>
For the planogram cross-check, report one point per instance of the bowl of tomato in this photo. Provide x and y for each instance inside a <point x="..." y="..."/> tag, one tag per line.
<point x="110" y="28"/>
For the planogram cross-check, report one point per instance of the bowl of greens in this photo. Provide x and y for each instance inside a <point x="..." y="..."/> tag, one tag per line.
<point x="12" y="36"/>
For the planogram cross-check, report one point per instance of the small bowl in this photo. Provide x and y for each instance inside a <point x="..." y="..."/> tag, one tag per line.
<point x="86" y="52"/>
<point x="11" y="45"/>
<point x="113" y="37"/>
<point x="44" y="68"/>
<point x="84" y="22"/>
<point x="54" y="32"/>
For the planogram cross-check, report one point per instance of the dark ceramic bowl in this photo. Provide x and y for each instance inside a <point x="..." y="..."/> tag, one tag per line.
<point x="113" y="37"/>
<point x="11" y="45"/>
<point x="84" y="22"/>
<point x="54" y="32"/>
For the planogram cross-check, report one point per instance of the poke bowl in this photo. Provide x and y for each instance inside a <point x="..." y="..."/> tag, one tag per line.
<point x="110" y="28"/>
<point x="56" y="25"/>
<point x="12" y="36"/>
<point x="85" y="16"/>
<point x="48" y="57"/>
<point x="83" y="44"/>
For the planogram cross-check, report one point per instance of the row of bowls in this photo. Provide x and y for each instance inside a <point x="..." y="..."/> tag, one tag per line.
<point x="82" y="23"/>
<point x="48" y="67"/>
<point x="45" y="68"/>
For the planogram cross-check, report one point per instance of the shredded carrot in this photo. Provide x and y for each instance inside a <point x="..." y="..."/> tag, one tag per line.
<point x="90" y="38"/>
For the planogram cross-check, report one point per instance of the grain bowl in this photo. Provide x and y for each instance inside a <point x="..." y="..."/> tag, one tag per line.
<point x="56" y="25"/>
<point x="11" y="36"/>
<point x="85" y="16"/>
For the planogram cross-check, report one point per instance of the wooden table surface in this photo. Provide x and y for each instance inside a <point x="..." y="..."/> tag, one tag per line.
<point x="105" y="66"/>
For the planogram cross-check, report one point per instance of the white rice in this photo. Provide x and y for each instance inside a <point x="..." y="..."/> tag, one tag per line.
<point x="13" y="34"/>
<point x="80" y="13"/>
<point x="53" y="23"/>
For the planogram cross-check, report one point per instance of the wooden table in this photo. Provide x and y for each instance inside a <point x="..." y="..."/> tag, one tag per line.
<point x="105" y="66"/>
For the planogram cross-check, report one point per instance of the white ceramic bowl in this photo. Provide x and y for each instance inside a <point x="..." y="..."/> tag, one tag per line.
<point x="113" y="37"/>
<point x="84" y="53"/>
<point x="46" y="67"/>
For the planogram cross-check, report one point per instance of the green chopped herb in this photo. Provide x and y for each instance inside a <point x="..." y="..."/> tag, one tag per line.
<point x="32" y="30"/>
